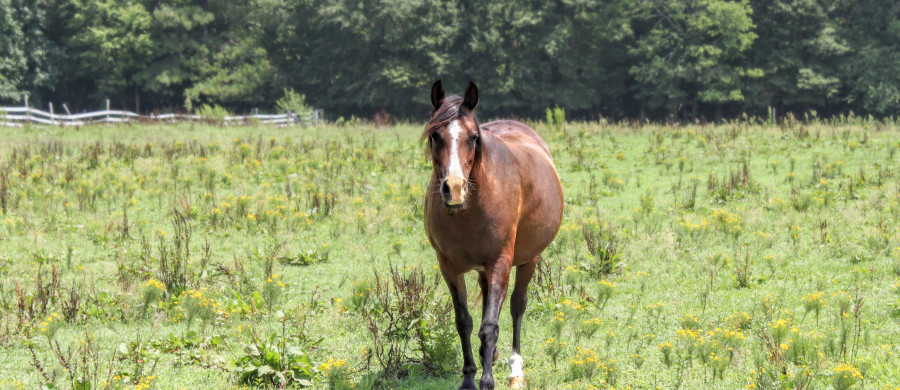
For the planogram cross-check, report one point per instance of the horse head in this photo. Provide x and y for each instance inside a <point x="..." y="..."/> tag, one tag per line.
<point x="454" y="141"/>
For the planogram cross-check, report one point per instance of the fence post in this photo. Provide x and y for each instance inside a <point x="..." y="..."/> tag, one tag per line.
<point x="52" y="120"/>
<point x="68" y="114"/>
<point x="107" y="110"/>
<point x="27" y="117"/>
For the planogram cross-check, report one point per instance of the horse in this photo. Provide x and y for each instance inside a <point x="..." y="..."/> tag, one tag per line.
<point x="494" y="202"/>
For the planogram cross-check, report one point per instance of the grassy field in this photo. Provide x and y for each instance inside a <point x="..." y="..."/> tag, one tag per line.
<point x="192" y="256"/>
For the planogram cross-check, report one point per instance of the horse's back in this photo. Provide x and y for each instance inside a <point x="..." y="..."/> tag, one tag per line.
<point x="513" y="132"/>
<point x="528" y="148"/>
<point x="542" y="200"/>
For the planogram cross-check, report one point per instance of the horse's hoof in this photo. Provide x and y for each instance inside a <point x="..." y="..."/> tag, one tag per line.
<point x="468" y="384"/>
<point x="517" y="382"/>
<point x="487" y="383"/>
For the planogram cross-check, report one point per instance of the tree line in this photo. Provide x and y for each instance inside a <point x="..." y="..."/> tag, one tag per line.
<point x="656" y="59"/>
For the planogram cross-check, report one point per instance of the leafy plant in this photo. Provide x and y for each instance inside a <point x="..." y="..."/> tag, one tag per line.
<point x="603" y="246"/>
<point x="308" y="257"/>
<point x="192" y="349"/>
<point x="292" y="102"/>
<point x="406" y="325"/>
<point x="174" y="258"/>
<point x="556" y="118"/>
<point x="743" y="272"/>
<point x="276" y="362"/>
<point x="273" y="289"/>
<point x="214" y="113"/>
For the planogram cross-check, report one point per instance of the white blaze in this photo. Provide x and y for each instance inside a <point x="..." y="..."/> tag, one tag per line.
<point x="515" y="366"/>
<point x="455" y="167"/>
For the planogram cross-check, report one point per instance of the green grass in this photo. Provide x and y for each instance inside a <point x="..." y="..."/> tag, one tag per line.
<point x="723" y="257"/>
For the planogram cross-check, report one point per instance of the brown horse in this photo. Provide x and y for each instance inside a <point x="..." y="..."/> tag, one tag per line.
<point x="494" y="202"/>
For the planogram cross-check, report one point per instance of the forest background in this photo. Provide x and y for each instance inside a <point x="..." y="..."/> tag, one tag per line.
<point x="649" y="59"/>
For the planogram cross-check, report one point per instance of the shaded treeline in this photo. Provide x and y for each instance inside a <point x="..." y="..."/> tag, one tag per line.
<point x="614" y="58"/>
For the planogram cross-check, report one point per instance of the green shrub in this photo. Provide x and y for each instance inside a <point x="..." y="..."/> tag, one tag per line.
<point x="556" y="118"/>
<point x="276" y="363"/>
<point x="294" y="103"/>
<point x="408" y="325"/>
<point x="603" y="246"/>
<point x="213" y="112"/>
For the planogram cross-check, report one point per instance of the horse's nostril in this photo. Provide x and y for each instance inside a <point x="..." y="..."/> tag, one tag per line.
<point x="445" y="189"/>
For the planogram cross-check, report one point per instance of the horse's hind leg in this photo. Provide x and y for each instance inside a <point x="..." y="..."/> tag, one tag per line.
<point x="457" y="286"/>
<point x="517" y="304"/>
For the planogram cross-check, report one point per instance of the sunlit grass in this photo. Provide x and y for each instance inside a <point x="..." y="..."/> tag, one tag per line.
<point x="732" y="256"/>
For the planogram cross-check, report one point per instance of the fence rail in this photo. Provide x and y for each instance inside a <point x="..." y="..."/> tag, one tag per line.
<point x="19" y="116"/>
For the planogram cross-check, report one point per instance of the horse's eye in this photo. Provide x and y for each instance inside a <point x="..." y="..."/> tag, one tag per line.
<point x="435" y="139"/>
<point x="473" y="138"/>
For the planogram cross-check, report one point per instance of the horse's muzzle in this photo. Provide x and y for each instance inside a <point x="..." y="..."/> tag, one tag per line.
<point x="453" y="191"/>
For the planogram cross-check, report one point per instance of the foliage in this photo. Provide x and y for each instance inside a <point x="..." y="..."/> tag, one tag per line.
<point x="117" y="45"/>
<point x="214" y="112"/>
<point x="603" y="248"/>
<point x="406" y="325"/>
<point x="691" y="53"/>
<point x="660" y="59"/>
<point x="556" y="118"/>
<point x="276" y="362"/>
<point x="28" y="57"/>
<point x="292" y="102"/>
<point x="304" y="258"/>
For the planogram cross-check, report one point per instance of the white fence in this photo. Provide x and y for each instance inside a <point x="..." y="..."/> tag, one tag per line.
<point x="18" y="116"/>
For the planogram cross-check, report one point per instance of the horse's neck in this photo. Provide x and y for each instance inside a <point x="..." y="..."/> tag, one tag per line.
<point x="493" y="166"/>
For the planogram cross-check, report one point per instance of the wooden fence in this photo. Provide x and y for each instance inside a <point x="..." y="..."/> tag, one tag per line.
<point x="19" y="116"/>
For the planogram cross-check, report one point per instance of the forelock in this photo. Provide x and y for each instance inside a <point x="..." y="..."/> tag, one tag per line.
<point x="443" y="115"/>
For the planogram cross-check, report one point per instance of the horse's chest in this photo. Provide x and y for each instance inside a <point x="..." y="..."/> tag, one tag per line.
<point x="463" y="239"/>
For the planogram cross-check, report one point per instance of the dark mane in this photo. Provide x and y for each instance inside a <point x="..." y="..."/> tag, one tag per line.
<point x="443" y="115"/>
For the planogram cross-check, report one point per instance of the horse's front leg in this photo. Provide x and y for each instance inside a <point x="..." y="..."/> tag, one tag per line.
<point x="457" y="285"/>
<point x="498" y="280"/>
<point x="485" y="288"/>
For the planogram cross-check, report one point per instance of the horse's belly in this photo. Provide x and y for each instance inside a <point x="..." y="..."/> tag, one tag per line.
<point x="542" y="206"/>
<point x="538" y="227"/>
<point x="540" y="214"/>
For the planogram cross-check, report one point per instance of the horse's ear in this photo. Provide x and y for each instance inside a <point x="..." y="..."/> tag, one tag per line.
<point x="471" y="98"/>
<point x="437" y="94"/>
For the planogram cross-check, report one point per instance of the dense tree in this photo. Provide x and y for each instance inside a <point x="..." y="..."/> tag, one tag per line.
<point x="233" y="69"/>
<point x="110" y="44"/>
<point x="690" y="52"/>
<point x="378" y="54"/>
<point x="615" y="58"/>
<point x="872" y="73"/>
<point x="529" y="55"/>
<point x="800" y="52"/>
<point x="12" y="53"/>
<point x="180" y="49"/>
<point x="27" y="57"/>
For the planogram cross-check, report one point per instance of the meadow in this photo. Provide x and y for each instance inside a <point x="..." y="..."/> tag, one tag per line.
<point x="740" y="255"/>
